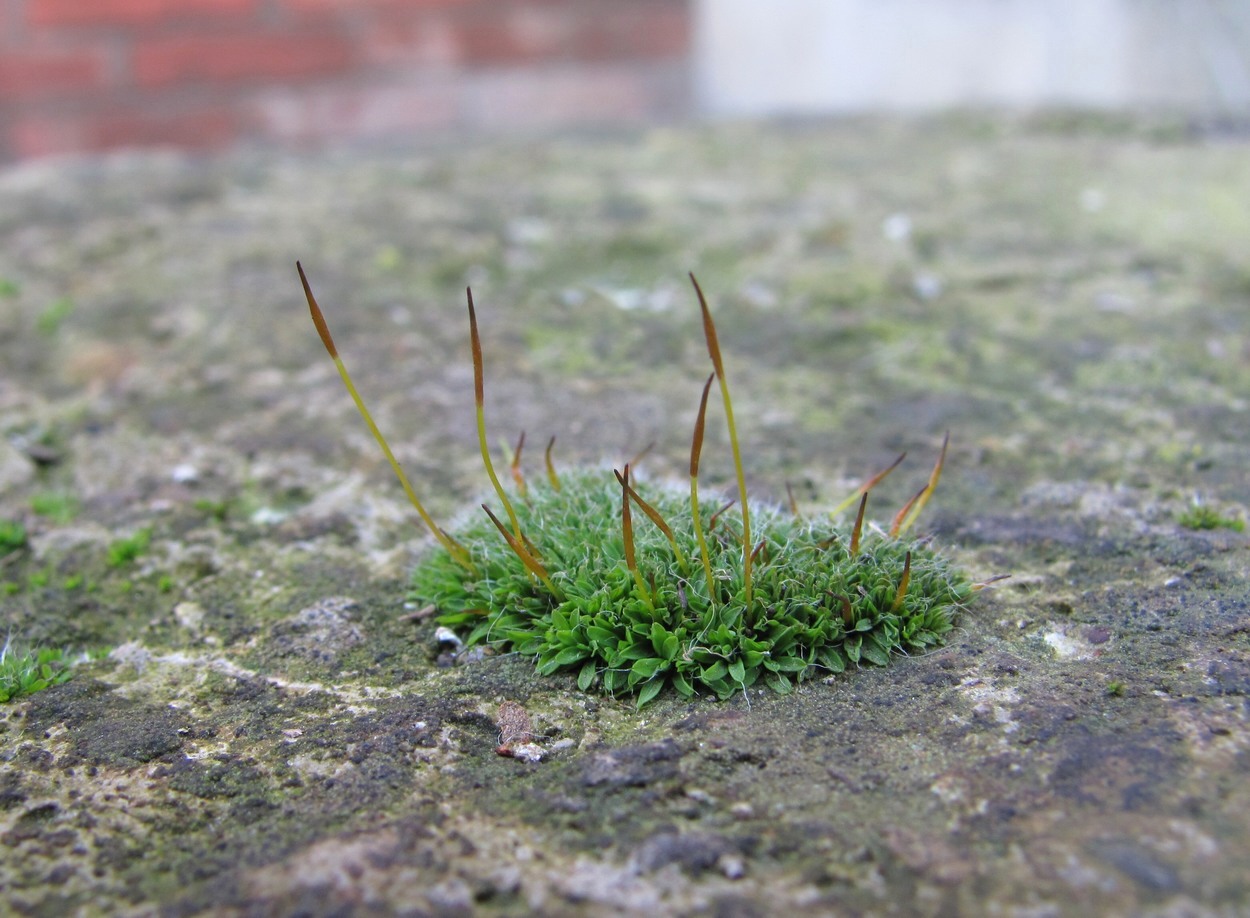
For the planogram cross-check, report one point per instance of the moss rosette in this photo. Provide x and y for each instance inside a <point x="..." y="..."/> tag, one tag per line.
<point x="817" y="607"/>
<point x="570" y="581"/>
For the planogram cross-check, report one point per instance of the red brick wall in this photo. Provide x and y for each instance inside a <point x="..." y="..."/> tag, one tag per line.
<point x="85" y="75"/>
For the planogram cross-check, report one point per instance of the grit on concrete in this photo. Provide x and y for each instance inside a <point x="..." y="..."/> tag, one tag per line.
<point x="265" y="727"/>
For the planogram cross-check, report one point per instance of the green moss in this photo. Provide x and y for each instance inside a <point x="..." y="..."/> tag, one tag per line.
<point x="58" y="506"/>
<point x="124" y="551"/>
<point x="26" y="672"/>
<point x="12" y="536"/>
<point x="216" y="510"/>
<point x="817" y="607"/>
<point x="691" y="597"/>
<point x="1204" y="516"/>
<point x="49" y="321"/>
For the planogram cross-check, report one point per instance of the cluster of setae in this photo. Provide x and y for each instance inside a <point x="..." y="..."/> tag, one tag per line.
<point x="636" y="587"/>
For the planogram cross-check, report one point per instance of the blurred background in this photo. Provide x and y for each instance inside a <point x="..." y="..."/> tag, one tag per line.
<point x="91" y="75"/>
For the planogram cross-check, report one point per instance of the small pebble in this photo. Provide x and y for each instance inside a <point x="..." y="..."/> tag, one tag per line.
<point x="732" y="866"/>
<point x="184" y="473"/>
<point x="742" y="810"/>
<point x="445" y="637"/>
<point x="896" y="227"/>
<point x="526" y="752"/>
<point x="927" y="286"/>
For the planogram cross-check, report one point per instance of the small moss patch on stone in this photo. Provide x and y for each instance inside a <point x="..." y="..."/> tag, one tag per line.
<point x="29" y="671"/>
<point x="1204" y="516"/>
<point x="692" y="598"/>
<point x="818" y="606"/>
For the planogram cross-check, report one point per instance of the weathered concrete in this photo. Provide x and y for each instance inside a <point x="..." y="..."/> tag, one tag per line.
<point x="271" y="732"/>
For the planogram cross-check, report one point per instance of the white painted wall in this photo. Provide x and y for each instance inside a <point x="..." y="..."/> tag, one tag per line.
<point x="770" y="56"/>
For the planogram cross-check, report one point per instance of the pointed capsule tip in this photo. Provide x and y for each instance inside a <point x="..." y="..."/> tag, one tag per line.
<point x="859" y="525"/>
<point x="319" y="321"/>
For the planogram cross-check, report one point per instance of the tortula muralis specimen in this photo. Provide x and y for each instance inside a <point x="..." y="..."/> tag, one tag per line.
<point x="636" y="586"/>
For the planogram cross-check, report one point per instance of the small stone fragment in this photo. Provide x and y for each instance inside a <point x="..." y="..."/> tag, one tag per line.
<point x="184" y="473"/>
<point x="15" y="469"/>
<point x="732" y="866"/>
<point x="189" y="615"/>
<point x="526" y="752"/>
<point x="448" y="640"/>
